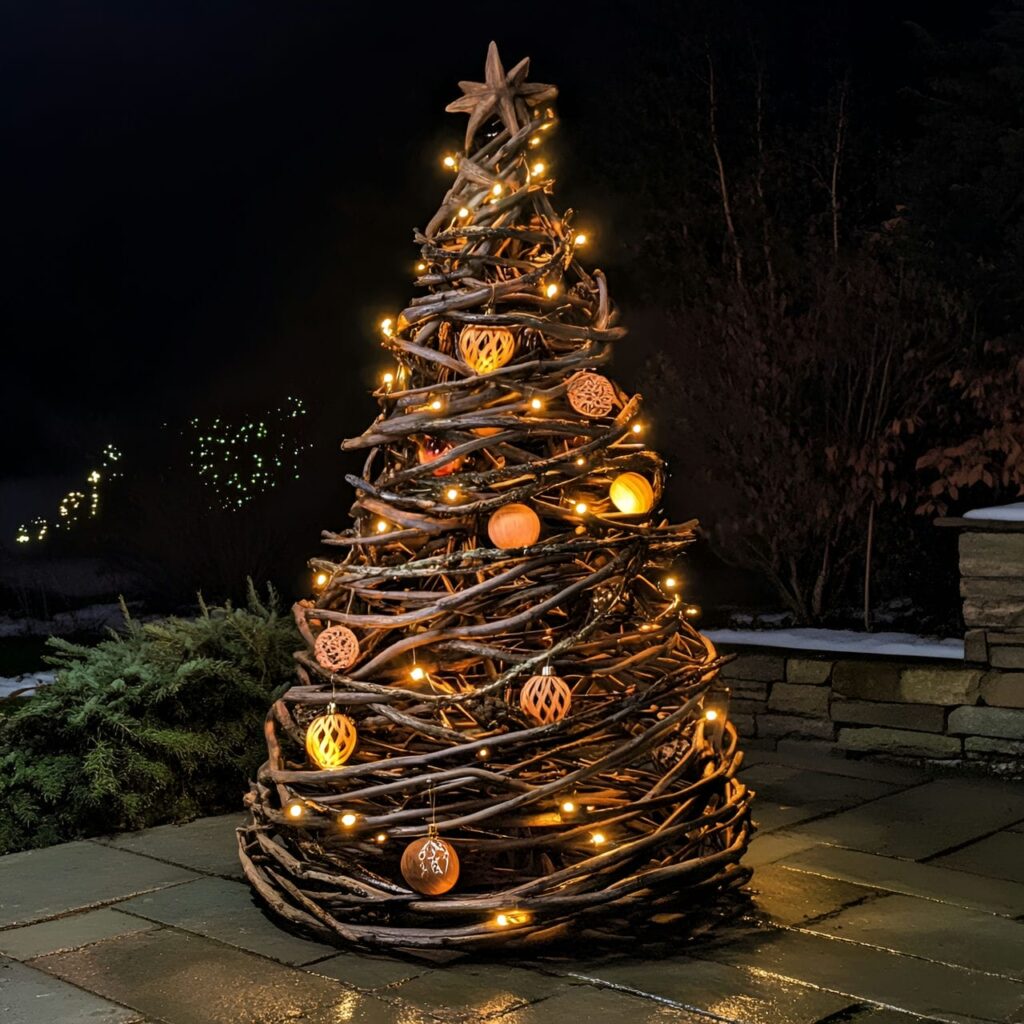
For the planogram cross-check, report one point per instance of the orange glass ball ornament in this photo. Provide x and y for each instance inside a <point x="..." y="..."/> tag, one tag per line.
<point x="632" y="493"/>
<point x="430" y="865"/>
<point x="546" y="698"/>
<point x="484" y="348"/>
<point x="432" y="449"/>
<point x="336" y="648"/>
<point x="513" y="526"/>
<point x="330" y="739"/>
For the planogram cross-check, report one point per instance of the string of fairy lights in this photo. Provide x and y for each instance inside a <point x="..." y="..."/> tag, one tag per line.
<point x="236" y="462"/>
<point x="240" y="461"/>
<point x="76" y="506"/>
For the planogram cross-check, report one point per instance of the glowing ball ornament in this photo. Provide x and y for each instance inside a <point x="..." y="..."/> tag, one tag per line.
<point x="330" y="739"/>
<point x="430" y="865"/>
<point x="546" y="698"/>
<point x="514" y="526"/>
<point x="590" y="394"/>
<point x="632" y="493"/>
<point x="484" y="348"/>
<point x="336" y="648"/>
<point x="432" y="449"/>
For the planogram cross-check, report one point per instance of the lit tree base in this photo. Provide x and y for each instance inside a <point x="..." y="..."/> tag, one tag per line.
<point x="672" y="838"/>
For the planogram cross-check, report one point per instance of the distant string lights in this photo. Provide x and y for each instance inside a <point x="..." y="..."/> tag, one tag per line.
<point x="235" y="461"/>
<point x="76" y="505"/>
<point x="238" y="462"/>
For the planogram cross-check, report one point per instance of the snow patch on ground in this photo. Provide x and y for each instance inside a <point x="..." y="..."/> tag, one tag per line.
<point x="1013" y="513"/>
<point x="24" y="685"/>
<point x="846" y="641"/>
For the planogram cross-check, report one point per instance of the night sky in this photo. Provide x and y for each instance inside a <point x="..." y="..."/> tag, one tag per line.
<point x="209" y="206"/>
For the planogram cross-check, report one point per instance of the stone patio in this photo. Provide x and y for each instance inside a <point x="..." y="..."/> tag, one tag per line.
<point x="881" y="896"/>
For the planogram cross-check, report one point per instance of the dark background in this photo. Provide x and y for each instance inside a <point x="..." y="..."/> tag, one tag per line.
<point x="208" y="207"/>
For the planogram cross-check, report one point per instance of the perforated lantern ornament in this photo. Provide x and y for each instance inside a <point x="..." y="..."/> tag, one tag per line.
<point x="632" y="493"/>
<point x="590" y="394"/>
<point x="430" y="865"/>
<point x="484" y="348"/>
<point x="336" y="648"/>
<point x="331" y="738"/>
<point x="513" y="526"/>
<point x="546" y="698"/>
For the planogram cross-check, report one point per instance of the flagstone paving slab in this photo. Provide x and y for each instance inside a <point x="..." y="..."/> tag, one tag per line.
<point x="68" y="933"/>
<point x="43" y="883"/>
<point x="898" y="775"/>
<point x="995" y="896"/>
<point x="715" y="988"/>
<point x="475" y="991"/>
<point x="583" y="1005"/>
<point x="768" y="847"/>
<point x="223" y="910"/>
<point x="934" y="990"/>
<point x="935" y="931"/>
<point x="368" y="972"/>
<point x="792" y="897"/>
<point x="186" y="979"/>
<point x="28" y="996"/>
<point x="924" y="820"/>
<point x="208" y="845"/>
<point x="801" y="787"/>
<point x="999" y="856"/>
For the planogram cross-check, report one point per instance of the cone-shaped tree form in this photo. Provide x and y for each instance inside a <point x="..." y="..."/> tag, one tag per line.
<point x="514" y="678"/>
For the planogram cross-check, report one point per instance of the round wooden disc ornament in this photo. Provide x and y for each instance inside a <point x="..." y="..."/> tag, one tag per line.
<point x="513" y="526"/>
<point x="432" y="449"/>
<point x="430" y="865"/>
<point x="336" y="648"/>
<point x="590" y="394"/>
<point x="331" y="738"/>
<point x="484" y="348"/>
<point x="546" y="698"/>
<point x="632" y="493"/>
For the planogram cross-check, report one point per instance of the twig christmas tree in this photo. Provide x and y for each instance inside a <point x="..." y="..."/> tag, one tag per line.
<point x="501" y="732"/>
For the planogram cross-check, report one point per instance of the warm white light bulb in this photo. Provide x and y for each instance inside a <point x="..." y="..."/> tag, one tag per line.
<point x="671" y="582"/>
<point x="551" y="290"/>
<point x="711" y="714"/>
<point x="537" y="169"/>
<point x="637" y="428"/>
<point x="450" y="162"/>
<point x="437" y="405"/>
<point x="580" y="239"/>
<point x="598" y="838"/>
<point x="386" y="327"/>
<point x="581" y="508"/>
<point x="416" y="673"/>
<point x="536" y="403"/>
<point x="388" y="378"/>
<point x="321" y="579"/>
<point x="452" y="493"/>
<point x="382" y="527"/>
<point x="463" y="211"/>
<point x="497" y="189"/>
<point x="348" y="819"/>
<point x="568" y="807"/>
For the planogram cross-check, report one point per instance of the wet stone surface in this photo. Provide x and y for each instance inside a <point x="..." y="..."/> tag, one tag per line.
<point x="880" y="896"/>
